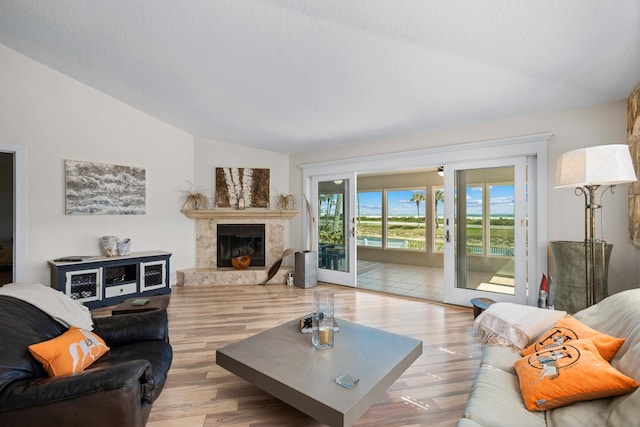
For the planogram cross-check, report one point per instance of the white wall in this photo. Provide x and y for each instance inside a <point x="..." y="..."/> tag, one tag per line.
<point x="603" y="124"/>
<point x="58" y="118"/>
<point x="209" y="154"/>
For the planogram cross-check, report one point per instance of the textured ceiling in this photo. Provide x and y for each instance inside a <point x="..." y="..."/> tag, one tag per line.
<point x="288" y="75"/>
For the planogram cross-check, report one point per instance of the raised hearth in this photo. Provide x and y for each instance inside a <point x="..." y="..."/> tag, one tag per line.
<point x="229" y="276"/>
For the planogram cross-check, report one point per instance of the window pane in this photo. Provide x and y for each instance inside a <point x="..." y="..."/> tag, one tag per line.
<point x="474" y="220"/>
<point x="369" y="214"/>
<point x="330" y="219"/>
<point x="438" y="222"/>
<point x="406" y="222"/>
<point x="501" y="230"/>
<point x="331" y="235"/>
<point x="484" y="229"/>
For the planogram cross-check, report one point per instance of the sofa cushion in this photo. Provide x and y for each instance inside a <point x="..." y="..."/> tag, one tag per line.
<point x="70" y="352"/>
<point x="500" y="357"/>
<point x="495" y="401"/>
<point x="617" y="315"/>
<point x="158" y="353"/>
<point x="570" y="329"/>
<point x="587" y="413"/>
<point x="569" y="373"/>
<point x="21" y="325"/>
<point x="56" y="304"/>
<point x="125" y="329"/>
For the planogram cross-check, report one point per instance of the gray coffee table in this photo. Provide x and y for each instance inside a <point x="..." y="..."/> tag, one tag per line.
<point x="283" y="362"/>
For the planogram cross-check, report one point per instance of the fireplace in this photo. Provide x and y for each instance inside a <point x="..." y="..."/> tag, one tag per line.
<point x="206" y="271"/>
<point x="240" y="239"/>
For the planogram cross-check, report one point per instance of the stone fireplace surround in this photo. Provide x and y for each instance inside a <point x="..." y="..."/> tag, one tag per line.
<point x="207" y="272"/>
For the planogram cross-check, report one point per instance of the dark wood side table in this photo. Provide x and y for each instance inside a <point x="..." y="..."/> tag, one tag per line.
<point x="480" y="305"/>
<point x="154" y="303"/>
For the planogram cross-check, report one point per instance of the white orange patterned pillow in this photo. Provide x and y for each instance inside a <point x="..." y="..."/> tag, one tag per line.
<point x="569" y="328"/>
<point x="573" y="372"/>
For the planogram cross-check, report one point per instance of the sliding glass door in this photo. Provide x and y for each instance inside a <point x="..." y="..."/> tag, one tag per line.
<point x="335" y="228"/>
<point x="486" y="231"/>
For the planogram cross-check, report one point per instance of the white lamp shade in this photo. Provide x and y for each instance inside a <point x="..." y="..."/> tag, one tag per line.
<point x="600" y="165"/>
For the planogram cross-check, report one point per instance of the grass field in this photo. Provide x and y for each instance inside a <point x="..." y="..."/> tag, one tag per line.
<point x="414" y="230"/>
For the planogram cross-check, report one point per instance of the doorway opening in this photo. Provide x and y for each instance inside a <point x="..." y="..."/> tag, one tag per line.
<point x="7" y="209"/>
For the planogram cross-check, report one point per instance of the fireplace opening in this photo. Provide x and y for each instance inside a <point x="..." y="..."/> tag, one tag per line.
<point x="241" y="239"/>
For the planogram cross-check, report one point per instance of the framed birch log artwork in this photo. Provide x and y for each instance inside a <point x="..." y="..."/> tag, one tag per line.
<point x="102" y="189"/>
<point x="242" y="188"/>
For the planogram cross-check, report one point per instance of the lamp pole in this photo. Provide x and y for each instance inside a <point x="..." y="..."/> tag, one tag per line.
<point x="590" y="240"/>
<point x="590" y="207"/>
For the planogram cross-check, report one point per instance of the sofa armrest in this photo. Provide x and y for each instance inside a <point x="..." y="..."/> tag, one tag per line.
<point x="126" y="329"/>
<point x="32" y="392"/>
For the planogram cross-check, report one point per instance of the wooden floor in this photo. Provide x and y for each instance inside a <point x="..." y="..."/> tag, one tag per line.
<point x="198" y="393"/>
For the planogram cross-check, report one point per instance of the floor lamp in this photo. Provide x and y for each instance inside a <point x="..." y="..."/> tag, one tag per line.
<point x="586" y="170"/>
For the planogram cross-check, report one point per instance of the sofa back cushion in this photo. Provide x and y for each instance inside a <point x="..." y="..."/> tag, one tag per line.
<point x="21" y="325"/>
<point x="617" y="315"/>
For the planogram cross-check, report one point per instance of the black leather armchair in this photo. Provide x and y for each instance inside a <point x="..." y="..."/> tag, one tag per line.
<point x="117" y="390"/>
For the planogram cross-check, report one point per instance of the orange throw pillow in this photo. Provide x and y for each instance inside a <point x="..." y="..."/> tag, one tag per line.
<point x="570" y="329"/>
<point x="570" y="373"/>
<point x="70" y="352"/>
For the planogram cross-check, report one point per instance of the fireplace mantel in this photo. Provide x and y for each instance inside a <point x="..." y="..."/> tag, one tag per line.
<point x="239" y="214"/>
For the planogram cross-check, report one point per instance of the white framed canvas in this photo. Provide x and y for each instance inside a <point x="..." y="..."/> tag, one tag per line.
<point x="104" y="189"/>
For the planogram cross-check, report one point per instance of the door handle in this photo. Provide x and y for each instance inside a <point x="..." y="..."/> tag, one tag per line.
<point x="447" y="236"/>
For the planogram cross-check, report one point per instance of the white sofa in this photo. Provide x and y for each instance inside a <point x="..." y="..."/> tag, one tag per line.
<point x="495" y="399"/>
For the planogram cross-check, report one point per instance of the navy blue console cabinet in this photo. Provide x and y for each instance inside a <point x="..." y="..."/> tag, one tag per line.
<point x="103" y="281"/>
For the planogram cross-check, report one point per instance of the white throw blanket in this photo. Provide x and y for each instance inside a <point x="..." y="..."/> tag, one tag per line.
<point x="513" y="325"/>
<point x="56" y="304"/>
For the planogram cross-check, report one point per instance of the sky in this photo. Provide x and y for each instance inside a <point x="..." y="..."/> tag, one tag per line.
<point x="400" y="204"/>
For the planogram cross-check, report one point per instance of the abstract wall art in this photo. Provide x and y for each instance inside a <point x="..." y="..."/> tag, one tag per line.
<point x="103" y="189"/>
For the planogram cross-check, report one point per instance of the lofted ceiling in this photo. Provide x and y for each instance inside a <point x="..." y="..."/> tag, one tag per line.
<point x="295" y="75"/>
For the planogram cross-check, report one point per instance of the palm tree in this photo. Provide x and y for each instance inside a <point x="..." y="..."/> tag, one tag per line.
<point x="322" y="199"/>
<point x="439" y="197"/>
<point x="418" y="198"/>
<point x="337" y="212"/>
